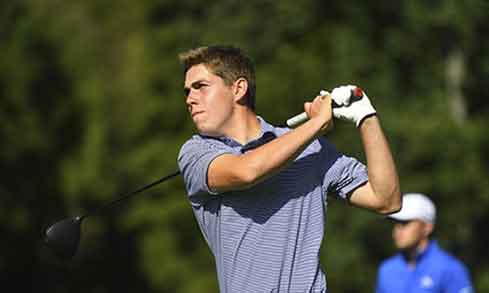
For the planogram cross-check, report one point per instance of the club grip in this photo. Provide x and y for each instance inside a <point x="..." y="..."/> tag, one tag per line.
<point x="297" y="120"/>
<point x="355" y="95"/>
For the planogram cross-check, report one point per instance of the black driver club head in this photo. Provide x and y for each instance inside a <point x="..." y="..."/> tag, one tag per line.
<point x="63" y="237"/>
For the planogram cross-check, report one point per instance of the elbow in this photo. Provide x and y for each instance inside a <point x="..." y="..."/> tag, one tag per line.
<point x="245" y="178"/>
<point x="252" y="171"/>
<point x="392" y="204"/>
<point x="235" y="180"/>
<point x="390" y="209"/>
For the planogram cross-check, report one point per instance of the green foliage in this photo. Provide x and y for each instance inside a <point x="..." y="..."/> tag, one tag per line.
<point x="92" y="106"/>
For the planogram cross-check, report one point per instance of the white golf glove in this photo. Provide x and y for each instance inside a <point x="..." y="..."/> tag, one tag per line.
<point x="351" y="110"/>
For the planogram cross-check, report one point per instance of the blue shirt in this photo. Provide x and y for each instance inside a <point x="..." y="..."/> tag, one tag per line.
<point x="435" y="271"/>
<point x="267" y="238"/>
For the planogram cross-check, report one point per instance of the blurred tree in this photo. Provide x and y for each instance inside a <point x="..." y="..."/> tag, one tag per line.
<point x="92" y="106"/>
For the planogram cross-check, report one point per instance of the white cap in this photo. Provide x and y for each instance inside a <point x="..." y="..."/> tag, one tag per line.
<point x="416" y="206"/>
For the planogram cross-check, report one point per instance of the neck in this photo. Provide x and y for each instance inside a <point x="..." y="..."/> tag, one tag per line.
<point x="244" y="126"/>
<point x="411" y="254"/>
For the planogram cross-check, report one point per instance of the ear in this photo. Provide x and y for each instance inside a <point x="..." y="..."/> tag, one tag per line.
<point x="428" y="229"/>
<point x="240" y="88"/>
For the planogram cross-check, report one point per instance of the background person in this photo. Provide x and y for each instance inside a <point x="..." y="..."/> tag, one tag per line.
<point x="421" y="265"/>
<point x="258" y="191"/>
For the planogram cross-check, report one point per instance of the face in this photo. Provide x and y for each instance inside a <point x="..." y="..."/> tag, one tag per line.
<point x="209" y="100"/>
<point x="409" y="235"/>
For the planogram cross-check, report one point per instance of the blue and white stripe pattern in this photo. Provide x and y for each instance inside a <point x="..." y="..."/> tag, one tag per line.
<point x="267" y="238"/>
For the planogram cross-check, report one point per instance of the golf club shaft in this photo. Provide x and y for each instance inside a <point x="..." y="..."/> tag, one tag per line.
<point x="121" y="198"/>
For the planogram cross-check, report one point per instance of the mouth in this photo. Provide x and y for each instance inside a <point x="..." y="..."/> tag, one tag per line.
<point x="196" y="113"/>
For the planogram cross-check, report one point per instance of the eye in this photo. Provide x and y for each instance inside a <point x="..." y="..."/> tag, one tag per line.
<point x="198" y="85"/>
<point x="186" y="91"/>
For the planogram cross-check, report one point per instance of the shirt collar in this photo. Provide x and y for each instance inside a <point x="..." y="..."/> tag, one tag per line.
<point x="263" y="139"/>
<point x="265" y="126"/>
<point x="432" y="246"/>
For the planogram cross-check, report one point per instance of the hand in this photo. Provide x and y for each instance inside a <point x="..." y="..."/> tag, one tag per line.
<point x="320" y="108"/>
<point x="354" y="111"/>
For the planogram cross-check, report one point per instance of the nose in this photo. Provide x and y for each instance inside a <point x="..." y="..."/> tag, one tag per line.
<point x="191" y="99"/>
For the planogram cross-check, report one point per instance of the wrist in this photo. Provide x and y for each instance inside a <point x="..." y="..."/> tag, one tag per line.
<point x="366" y="120"/>
<point x="320" y="123"/>
<point x="367" y="111"/>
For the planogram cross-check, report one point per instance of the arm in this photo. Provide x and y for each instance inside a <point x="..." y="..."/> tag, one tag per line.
<point x="231" y="172"/>
<point x="382" y="192"/>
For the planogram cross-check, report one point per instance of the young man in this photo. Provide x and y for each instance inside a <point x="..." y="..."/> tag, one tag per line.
<point x="258" y="191"/>
<point x="421" y="265"/>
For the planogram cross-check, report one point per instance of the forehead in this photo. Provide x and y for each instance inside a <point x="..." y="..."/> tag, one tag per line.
<point x="199" y="72"/>
<point x="409" y="224"/>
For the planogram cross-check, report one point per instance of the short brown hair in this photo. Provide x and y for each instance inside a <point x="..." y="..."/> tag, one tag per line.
<point x="227" y="62"/>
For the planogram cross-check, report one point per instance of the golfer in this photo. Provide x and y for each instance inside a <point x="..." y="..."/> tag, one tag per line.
<point x="258" y="191"/>
<point x="421" y="265"/>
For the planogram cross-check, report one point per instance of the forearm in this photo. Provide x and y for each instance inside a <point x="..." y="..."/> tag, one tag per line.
<point x="230" y="172"/>
<point x="381" y="168"/>
<point x="270" y="158"/>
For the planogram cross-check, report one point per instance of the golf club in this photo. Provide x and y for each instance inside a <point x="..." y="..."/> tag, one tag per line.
<point x="63" y="237"/>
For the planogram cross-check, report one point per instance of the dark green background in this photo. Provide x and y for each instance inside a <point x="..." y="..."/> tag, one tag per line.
<point x="92" y="107"/>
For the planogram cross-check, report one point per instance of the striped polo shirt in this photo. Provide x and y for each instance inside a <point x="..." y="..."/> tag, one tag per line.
<point x="267" y="238"/>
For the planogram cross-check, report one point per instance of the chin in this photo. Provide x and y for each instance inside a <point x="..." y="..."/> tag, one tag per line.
<point x="405" y="246"/>
<point x="208" y="132"/>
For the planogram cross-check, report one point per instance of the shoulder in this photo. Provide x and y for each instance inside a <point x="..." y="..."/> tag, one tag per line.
<point x="392" y="269"/>
<point x="192" y="141"/>
<point x="449" y="262"/>
<point x="198" y="139"/>
<point x="455" y="275"/>
<point x="199" y="143"/>
<point x="392" y="266"/>
<point x="389" y="274"/>
<point x="391" y="263"/>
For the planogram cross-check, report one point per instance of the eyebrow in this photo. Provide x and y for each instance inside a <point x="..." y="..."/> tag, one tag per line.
<point x="186" y="88"/>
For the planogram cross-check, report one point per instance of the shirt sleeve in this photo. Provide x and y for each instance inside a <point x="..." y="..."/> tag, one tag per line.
<point x="193" y="160"/>
<point x="458" y="279"/>
<point x="344" y="174"/>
